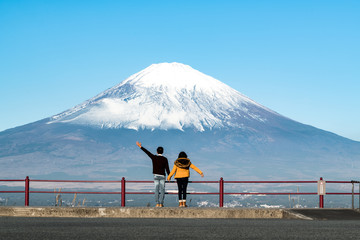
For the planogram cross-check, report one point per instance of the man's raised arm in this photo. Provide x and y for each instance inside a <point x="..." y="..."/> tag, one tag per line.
<point x="145" y="150"/>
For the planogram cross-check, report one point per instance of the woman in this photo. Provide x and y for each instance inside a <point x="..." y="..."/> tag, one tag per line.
<point x="182" y="174"/>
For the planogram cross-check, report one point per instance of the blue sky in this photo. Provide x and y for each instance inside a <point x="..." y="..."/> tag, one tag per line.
<point x="298" y="58"/>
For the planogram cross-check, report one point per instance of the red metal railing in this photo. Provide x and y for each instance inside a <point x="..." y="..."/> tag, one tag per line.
<point x="221" y="191"/>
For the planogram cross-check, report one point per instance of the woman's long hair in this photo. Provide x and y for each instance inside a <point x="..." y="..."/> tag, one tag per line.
<point x="182" y="155"/>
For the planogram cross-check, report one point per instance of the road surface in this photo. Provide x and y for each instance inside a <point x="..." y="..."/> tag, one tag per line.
<point x="117" y="228"/>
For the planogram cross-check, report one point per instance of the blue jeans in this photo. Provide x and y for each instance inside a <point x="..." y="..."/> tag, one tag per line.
<point x="159" y="181"/>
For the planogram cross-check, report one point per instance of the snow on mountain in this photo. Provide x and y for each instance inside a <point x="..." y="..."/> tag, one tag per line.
<point x="166" y="96"/>
<point x="247" y="141"/>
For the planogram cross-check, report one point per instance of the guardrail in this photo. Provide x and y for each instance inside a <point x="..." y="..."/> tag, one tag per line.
<point x="321" y="189"/>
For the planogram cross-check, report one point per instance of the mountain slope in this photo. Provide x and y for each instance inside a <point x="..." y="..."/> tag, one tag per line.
<point x="225" y="134"/>
<point x="166" y="96"/>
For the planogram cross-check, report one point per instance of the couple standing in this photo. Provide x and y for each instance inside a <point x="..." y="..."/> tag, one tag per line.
<point x="181" y="169"/>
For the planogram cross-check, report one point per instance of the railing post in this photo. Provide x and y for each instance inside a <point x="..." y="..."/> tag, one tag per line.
<point x="352" y="195"/>
<point x="123" y="192"/>
<point x="27" y="188"/>
<point x="321" y="201"/>
<point x="221" y="192"/>
<point x="321" y="192"/>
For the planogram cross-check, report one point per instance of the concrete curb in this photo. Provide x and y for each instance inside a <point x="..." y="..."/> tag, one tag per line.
<point x="127" y="212"/>
<point x="289" y="214"/>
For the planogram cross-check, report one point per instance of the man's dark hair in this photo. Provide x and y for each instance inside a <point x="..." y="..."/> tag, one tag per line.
<point x="160" y="150"/>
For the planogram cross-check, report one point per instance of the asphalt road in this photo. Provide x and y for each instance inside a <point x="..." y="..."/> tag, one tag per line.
<point x="116" y="228"/>
<point x="329" y="214"/>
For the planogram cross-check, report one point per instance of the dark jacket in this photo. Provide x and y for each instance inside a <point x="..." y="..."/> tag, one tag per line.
<point x="160" y="163"/>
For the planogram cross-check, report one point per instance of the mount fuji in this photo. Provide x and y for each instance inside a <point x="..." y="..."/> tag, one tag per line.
<point x="167" y="96"/>
<point x="224" y="133"/>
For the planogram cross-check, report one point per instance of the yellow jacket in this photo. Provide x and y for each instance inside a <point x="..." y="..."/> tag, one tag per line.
<point x="182" y="168"/>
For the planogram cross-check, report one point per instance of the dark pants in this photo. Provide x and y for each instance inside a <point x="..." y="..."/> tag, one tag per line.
<point x="182" y="185"/>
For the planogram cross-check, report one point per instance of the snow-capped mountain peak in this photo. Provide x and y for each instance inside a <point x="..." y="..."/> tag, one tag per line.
<point x="166" y="96"/>
<point x="172" y="75"/>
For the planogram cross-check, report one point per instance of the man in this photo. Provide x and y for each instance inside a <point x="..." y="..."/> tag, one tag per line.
<point x="160" y="164"/>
